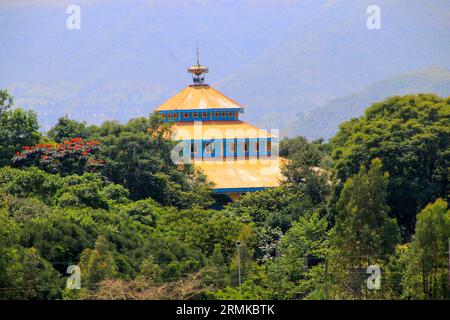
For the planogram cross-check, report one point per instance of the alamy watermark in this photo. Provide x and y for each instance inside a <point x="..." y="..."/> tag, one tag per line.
<point x="256" y="146"/>
<point x="374" y="280"/>
<point x="73" y="22"/>
<point x="74" y="280"/>
<point x="373" y="21"/>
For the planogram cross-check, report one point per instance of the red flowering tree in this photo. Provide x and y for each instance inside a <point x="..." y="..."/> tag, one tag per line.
<point x="74" y="156"/>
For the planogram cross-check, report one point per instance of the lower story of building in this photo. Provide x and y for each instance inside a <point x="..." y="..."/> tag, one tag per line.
<point x="232" y="179"/>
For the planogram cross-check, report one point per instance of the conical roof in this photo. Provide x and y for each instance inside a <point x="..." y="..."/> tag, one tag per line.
<point x="198" y="97"/>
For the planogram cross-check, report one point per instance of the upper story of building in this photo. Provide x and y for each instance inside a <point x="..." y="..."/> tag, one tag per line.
<point x="208" y="123"/>
<point x="199" y="102"/>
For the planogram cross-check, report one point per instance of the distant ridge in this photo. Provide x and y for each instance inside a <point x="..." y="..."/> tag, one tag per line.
<point x="323" y="122"/>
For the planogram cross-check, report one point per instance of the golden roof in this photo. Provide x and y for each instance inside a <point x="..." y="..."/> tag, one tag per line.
<point x="197" y="97"/>
<point x="217" y="130"/>
<point x="252" y="173"/>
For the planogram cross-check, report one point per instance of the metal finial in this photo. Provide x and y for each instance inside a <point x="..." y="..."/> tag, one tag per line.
<point x="198" y="57"/>
<point x="198" y="71"/>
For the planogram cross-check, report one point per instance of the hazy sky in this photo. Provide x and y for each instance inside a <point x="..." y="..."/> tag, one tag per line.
<point x="267" y="54"/>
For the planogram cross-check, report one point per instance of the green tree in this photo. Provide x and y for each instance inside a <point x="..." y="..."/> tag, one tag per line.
<point x="426" y="275"/>
<point x="24" y="209"/>
<point x="272" y="211"/>
<point x="301" y="254"/>
<point x="66" y="129"/>
<point x="364" y="234"/>
<point x="137" y="156"/>
<point x="217" y="273"/>
<point x="304" y="245"/>
<point x="274" y="207"/>
<point x="37" y="277"/>
<point x="145" y="211"/>
<point x="58" y="238"/>
<point x="393" y="281"/>
<point x="87" y="190"/>
<point x="411" y="135"/>
<point x="6" y="101"/>
<point x="174" y="257"/>
<point x="203" y="229"/>
<point x="255" y="286"/>
<point x="150" y="270"/>
<point x="116" y="194"/>
<point x="300" y="147"/>
<point x="24" y="274"/>
<point x="97" y="264"/>
<point x="308" y="167"/>
<point x="80" y="191"/>
<point x="363" y="227"/>
<point x="28" y="276"/>
<point x="17" y="128"/>
<point x="29" y="183"/>
<point x="8" y="240"/>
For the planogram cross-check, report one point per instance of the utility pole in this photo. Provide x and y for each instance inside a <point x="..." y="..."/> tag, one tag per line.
<point x="238" y="245"/>
<point x="326" y="279"/>
<point x="448" y="284"/>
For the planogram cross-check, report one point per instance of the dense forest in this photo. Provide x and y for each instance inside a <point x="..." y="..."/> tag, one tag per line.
<point x="109" y="199"/>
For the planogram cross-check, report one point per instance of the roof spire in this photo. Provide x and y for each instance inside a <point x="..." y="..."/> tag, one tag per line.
<point x="198" y="57"/>
<point x="198" y="71"/>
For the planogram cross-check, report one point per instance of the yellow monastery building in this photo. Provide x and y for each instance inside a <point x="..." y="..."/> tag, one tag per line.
<point x="236" y="156"/>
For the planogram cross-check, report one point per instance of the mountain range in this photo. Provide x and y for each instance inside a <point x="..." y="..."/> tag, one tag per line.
<point x="286" y="61"/>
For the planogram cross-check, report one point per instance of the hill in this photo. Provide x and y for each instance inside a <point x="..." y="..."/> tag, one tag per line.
<point x="323" y="121"/>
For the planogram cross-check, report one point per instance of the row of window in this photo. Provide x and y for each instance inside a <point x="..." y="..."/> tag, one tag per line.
<point x="232" y="147"/>
<point x="204" y="115"/>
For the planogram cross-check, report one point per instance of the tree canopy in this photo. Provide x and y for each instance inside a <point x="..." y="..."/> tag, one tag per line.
<point x="109" y="200"/>
<point x="411" y="135"/>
